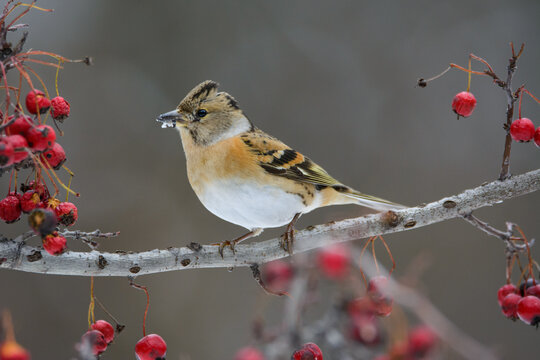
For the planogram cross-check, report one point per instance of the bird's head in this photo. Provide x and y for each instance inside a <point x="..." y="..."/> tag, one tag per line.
<point x="207" y="115"/>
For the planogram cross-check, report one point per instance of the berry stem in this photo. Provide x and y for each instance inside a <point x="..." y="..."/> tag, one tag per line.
<point x="389" y="254"/>
<point x="91" y="317"/>
<point x="469" y="74"/>
<point x="8" y="97"/>
<point x="456" y="66"/>
<point x="143" y="288"/>
<point x="105" y="310"/>
<point x="48" y="167"/>
<point x="7" y="324"/>
<point x="56" y="77"/>
<point x="374" y="255"/>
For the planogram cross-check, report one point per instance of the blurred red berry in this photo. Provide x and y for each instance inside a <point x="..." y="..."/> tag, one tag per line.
<point x="249" y="353"/>
<point x="59" y="108"/>
<point x="361" y="306"/>
<point x="365" y="329"/>
<point x="309" y="351"/>
<point x="333" y="261"/>
<point x="43" y="221"/>
<point x="40" y="137"/>
<point x="7" y="152"/>
<point x="37" y="102"/>
<point x="20" y="126"/>
<point x="105" y="328"/>
<point x="10" y="208"/>
<point x="29" y="201"/>
<point x="277" y="275"/>
<point x="96" y="340"/>
<point x="463" y="104"/>
<point x="56" y="156"/>
<point x="151" y="347"/>
<point x="10" y="350"/>
<point x="534" y="290"/>
<point x="505" y="290"/>
<point x="377" y="291"/>
<point x="537" y="136"/>
<point x="19" y="144"/>
<point x="522" y="130"/>
<point x="66" y="213"/>
<point x="54" y="243"/>
<point x="421" y="340"/>
<point x="528" y="310"/>
<point x="509" y="305"/>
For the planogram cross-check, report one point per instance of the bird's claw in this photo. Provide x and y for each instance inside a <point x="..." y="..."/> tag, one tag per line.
<point x="223" y="244"/>
<point x="286" y="241"/>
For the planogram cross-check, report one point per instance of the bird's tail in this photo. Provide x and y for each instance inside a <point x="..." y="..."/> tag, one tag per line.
<point x="372" y="201"/>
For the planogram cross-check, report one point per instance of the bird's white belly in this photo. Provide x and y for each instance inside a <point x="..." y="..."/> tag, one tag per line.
<point x="249" y="204"/>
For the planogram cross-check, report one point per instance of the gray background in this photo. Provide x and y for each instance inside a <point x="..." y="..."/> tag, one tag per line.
<point x="334" y="80"/>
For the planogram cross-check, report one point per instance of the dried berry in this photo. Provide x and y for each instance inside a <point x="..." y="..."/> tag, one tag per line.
<point x="66" y="213"/>
<point x="55" y="156"/>
<point x="151" y="347"/>
<point x="522" y="130"/>
<point x="37" y="102"/>
<point x="309" y="351"/>
<point x="463" y="104"/>
<point x="40" y="137"/>
<point x="96" y="340"/>
<point x="29" y="201"/>
<point x="105" y="328"/>
<point x="19" y="146"/>
<point x="54" y="243"/>
<point x="334" y="261"/>
<point x="59" y="108"/>
<point x="10" y="209"/>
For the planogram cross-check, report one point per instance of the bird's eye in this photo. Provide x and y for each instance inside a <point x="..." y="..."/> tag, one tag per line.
<point x="201" y="113"/>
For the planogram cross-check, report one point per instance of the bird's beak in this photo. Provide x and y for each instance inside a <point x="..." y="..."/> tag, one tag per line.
<point x="170" y="119"/>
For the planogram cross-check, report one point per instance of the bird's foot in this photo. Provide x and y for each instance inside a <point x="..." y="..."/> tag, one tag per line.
<point x="287" y="240"/>
<point x="232" y="243"/>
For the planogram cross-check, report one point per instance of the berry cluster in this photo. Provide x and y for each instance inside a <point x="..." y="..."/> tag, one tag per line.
<point x="521" y="302"/>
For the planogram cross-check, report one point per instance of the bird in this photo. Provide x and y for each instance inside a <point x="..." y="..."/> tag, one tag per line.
<point x="247" y="177"/>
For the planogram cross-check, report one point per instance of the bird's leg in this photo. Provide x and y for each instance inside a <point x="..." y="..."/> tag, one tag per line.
<point x="287" y="238"/>
<point x="232" y="243"/>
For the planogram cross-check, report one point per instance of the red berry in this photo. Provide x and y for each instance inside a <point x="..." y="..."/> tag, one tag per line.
<point x="19" y="144"/>
<point x="365" y="330"/>
<point x="36" y="101"/>
<point x="59" y="108"/>
<point x="361" y="306"/>
<point x="29" y="201"/>
<point x="421" y="340"/>
<point x="54" y="243"/>
<point x="534" y="290"/>
<point x="56" y="156"/>
<point x="378" y="293"/>
<point x="20" y="126"/>
<point x="334" y="261"/>
<point x="40" y="137"/>
<point x="10" y="350"/>
<point x="509" y="305"/>
<point x="505" y="290"/>
<point x="105" y="328"/>
<point x="40" y="188"/>
<point x="537" y="137"/>
<point x="66" y="213"/>
<point x="96" y="340"/>
<point x="522" y="130"/>
<point x="463" y="104"/>
<point x="7" y="152"/>
<point x="151" y="347"/>
<point x="277" y="275"/>
<point x="309" y="351"/>
<point x="249" y="353"/>
<point x="10" y="209"/>
<point x="528" y="310"/>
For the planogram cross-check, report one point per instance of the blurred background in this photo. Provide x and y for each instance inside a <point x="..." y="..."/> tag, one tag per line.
<point x="334" y="80"/>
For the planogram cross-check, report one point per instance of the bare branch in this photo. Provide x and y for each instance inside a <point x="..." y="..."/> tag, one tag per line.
<point x="23" y="258"/>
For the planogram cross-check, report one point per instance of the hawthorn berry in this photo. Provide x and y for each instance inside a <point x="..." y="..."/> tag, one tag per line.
<point x="537" y="136"/>
<point x="56" y="156"/>
<point x="361" y="306"/>
<point x="334" y="260"/>
<point x="19" y="143"/>
<point x="377" y="292"/>
<point x="7" y="152"/>
<point x="20" y="126"/>
<point x="534" y="290"/>
<point x="528" y="310"/>
<point x="10" y="350"/>
<point x="309" y="351"/>
<point x="105" y="328"/>
<point x="509" y="305"/>
<point x="40" y="188"/>
<point x="29" y="201"/>
<point x="10" y="208"/>
<point x="505" y="290"/>
<point x="151" y="347"/>
<point x="464" y="103"/>
<point x="249" y="353"/>
<point x="66" y="213"/>
<point x="522" y="130"/>
<point x="54" y="243"/>
<point x="43" y="221"/>
<point x="37" y="102"/>
<point x="277" y="275"/>
<point x="40" y="137"/>
<point x="59" y="108"/>
<point x="421" y="340"/>
<point x="96" y="340"/>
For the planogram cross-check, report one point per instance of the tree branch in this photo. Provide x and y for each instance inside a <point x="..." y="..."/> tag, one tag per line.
<point x="15" y="255"/>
